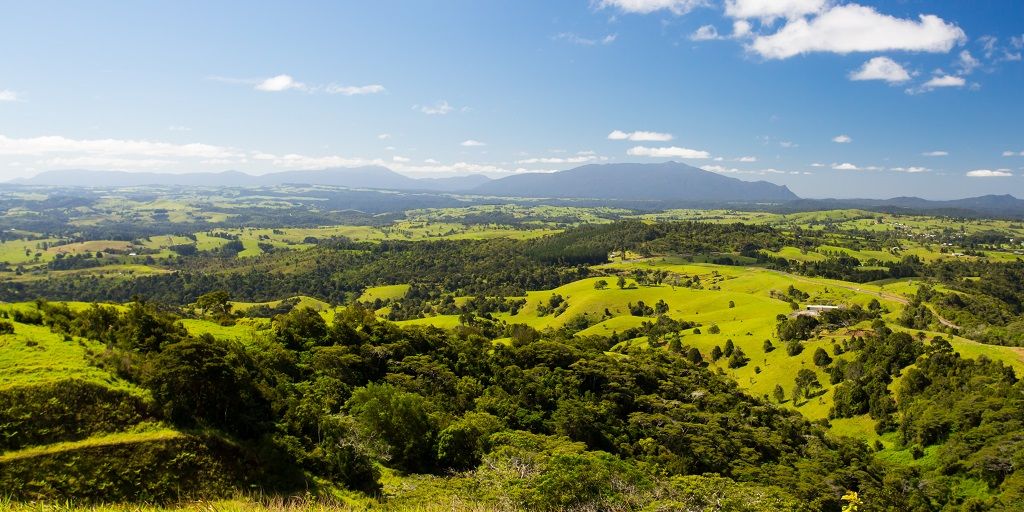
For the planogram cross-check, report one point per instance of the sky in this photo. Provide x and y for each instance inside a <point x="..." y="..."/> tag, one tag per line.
<point x="831" y="98"/>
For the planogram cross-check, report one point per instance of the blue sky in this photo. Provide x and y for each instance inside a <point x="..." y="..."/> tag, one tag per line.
<point x="832" y="98"/>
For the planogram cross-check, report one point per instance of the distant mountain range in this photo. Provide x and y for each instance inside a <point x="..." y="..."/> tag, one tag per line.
<point x="670" y="181"/>
<point x="669" y="184"/>
<point x="352" y="177"/>
<point x="644" y="182"/>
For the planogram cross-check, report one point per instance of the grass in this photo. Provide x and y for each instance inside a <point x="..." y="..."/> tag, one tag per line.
<point x="146" y="435"/>
<point x="34" y="355"/>
<point x="394" y="291"/>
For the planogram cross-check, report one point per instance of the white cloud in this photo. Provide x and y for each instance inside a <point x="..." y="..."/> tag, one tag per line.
<point x="986" y="173"/>
<point x="354" y="90"/>
<point x="740" y="28"/>
<point x="1011" y="153"/>
<point x="788" y="144"/>
<point x="705" y="33"/>
<point x="472" y="143"/>
<point x="102" y="162"/>
<point x="817" y="164"/>
<point x="855" y="28"/>
<point x="935" y="153"/>
<point x="967" y="63"/>
<point x="677" y="7"/>
<point x="399" y="159"/>
<point x="279" y="83"/>
<point x="49" y="145"/>
<point x="439" y="108"/>
<point x="668" y="152"/>
<point x="771" y="9"/>
<point x="910" y="170"/>
<point x="561" y="160"/>
<point x="881" y="68"/>
<point x="572" y="37"/>
<point x="842" y="139"/>
<point x="8" y="95"/>
<point x="383" y="136"/>
<point x="846" y="166"/>
<point x="945" y="81"/>
<point x="747" y="159"/>
<point x="640" y="136"/>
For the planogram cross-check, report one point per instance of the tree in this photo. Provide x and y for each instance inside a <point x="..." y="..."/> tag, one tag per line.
<point x="694" y="356"/>
<point x="779" y="394"/>
<point x="767" y="346"/>
<point x="461" y="445"/>
<point x="401" y="420"/>
<point x="208" y="383"/>
<point x="806" y="382"/>
<point x="661" y="307"/>
<point x="216" y="304"/>
<point x="794" y="348"/>
<point x="714" y="329"/>
<point x="729" y="347"/>
<point x="738" y="358"/>
<point x="732" y="304"/>
<point x="716" y="353"/>
<point x="675" y="344"/>
<point x="600" y="284"/>
<point x="621" y="282"/>
<point x="821" y="357"/>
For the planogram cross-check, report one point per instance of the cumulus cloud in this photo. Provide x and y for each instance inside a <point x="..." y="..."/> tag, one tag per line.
<point x="846" y="166"/>
<point x="439" y="108"/>
<point x="640" y="136"/>
<point x="8" y="95"/>
<point x="842" y="139"/>
<point x="668" y="152"/>
<point x="853" y="28"/>
<point x="677" y="7"/>
<point x="472" y="143"/>
<point x="935" y="153"/>
<point x="910" y="170"/>
<point x="741" y="28"/>
<point x="1011" y="153"/>
<point x="881" y="68"/>
<point x="383" y="136"/>
<point x="945" y="81"/>
<point x="770" y="9"/>
<point x="988" y="173"/>
<point x="747" y="159"/>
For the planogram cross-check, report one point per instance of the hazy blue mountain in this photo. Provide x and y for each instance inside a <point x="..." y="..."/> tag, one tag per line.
<point x="670" y="181"/>
<point x="373" y="177"/>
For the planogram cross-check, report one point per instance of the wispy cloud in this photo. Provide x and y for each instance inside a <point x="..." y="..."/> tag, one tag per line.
<point x="668" y="152"/>
<point x="842" y="139"/>
<point x="470" y="143"/>
<point x="677" y="7"/>
<point x="988" y="173"/>
<point x="935" y="153"/>
<point x="574" y="38"/>
<point x="640" y="136"/>
<point x="439" y="108"/>
<point x="8" y="95"/>
<point x="284" y="82"/>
